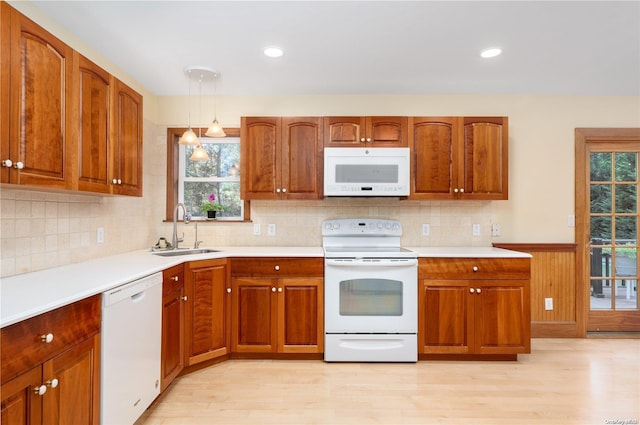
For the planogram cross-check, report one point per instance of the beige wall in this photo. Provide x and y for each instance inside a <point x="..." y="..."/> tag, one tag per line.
<point x="40" y="230"/>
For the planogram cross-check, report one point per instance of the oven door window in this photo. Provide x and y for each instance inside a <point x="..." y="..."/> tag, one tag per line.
<point x="370" y="297"/>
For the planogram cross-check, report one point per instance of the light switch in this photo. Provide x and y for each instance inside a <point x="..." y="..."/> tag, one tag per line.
<point x="476" y="230"/>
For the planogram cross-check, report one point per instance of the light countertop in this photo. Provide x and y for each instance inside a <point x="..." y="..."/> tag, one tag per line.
<point x="27" y="295"/>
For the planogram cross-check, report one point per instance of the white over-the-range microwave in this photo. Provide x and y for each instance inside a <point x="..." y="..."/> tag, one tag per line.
<point x="366" y="171"/>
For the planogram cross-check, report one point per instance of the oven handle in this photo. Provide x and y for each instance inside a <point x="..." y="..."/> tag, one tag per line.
<point x="377" y="262"/>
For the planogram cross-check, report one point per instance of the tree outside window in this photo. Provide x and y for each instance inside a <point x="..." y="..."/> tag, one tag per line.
<point x="220" y="176"/>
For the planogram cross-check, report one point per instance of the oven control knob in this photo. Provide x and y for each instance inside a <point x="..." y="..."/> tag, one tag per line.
<point x="396" y="226"/>
<point x="327" y="226"/>
<point x="388" y="226"/>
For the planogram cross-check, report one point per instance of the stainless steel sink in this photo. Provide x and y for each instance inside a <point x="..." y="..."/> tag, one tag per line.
<point x="176" y="252"/>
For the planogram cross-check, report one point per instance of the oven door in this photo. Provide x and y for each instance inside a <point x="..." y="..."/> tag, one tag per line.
<point x="373" y="295"/>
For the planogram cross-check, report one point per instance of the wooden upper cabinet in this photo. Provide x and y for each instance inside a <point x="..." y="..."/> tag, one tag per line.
<point x="41" y="139"/>
<point x="126" y="141"/>
<point x="5" y="61"/>
<point x="459" y="158"/>
<point x="365" y="131"/>
<point x="282" y="157"/>
<point x="301" y="158"/>
<point x="486" y="156"/>
<point x="95" y="87"/>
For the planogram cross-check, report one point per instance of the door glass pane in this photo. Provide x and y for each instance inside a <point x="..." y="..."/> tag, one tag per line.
<point x="600" y="166"/>
<point x="600" y="198"/>
<point x="626" y="167"/>
<point x="626" y="198"/>
<point x="370" y="297"/>
<point x="626" y="230"/>
<point x="601" y="230"/>
<point x="627" y="294"/>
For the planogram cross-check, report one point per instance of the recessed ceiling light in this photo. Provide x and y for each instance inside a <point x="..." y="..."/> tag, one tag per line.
<point x="491" y="53"/>
<point x="273" y="52"/>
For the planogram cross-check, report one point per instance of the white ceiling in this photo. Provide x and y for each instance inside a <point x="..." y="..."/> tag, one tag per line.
<point x="358" y="47"/>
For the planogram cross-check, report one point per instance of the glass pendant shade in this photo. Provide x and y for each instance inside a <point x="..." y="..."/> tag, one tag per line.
<point x="215" y="130"/>
<point x="199" y="154"/>
<point x="189" y="138"/>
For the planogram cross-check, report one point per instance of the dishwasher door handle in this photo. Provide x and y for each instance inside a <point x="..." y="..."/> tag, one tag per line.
<point x="138" y="297"/>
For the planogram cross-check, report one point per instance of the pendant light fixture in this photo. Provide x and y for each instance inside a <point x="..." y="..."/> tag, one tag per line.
<point x="201" y="73"/>
<point x="215" y="129"/>
<point x="189" y="137"/>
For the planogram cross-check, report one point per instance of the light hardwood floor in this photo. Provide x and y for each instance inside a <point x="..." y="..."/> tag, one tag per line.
<point x="563" y="381"/>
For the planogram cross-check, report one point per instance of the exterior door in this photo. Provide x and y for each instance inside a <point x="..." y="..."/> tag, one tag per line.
<point x="607" y="226"/>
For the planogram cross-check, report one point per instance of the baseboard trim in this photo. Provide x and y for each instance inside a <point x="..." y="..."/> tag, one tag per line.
<point x="554" y="330"/>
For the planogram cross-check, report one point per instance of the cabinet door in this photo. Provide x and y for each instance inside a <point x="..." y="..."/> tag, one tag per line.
<point x="207" y="331"/>
<point x="41" y="105"/>
<point x="5" y="61"/>
<point x="75" y="398"/>
<point x="260" y="147"/>
<point x="344" y="131"/>
<point x="126" y="141"/>
<point x="386" y="131"/>
<point x="300" y="315"/>
<point x="445" y="317"/>
<point x="484" y="172"/>
<point x="173" y="318"/>
<point x="502" y="317"/>
<point x="432" y="143"/>
<point x="254" y="323"/>
<point x="93" y="142"/>
<point x="20" y="404"/>
<point x="301" y="158"/>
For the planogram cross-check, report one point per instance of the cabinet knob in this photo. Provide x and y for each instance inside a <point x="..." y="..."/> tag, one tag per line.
<point x="284" y="189"/>
<point x="40" y="390"/>
<point x="475" y="268"/>
<point x="46" y="338"/>
<point x="7" y="163"/>
<point x="278" y="190"/>
<point x="368" y="139"/>
<point x="52" y="383"/>
<point x="228" y="290"/>
<point x="276" y="268"/>
<point x="279" y="289"/>
<point x="478" y="290"/>
<point x="462" y="190"/>
<point x="174" y="278"/>
<point x="119" y="181"/>
<point x="184" y="298"/>
<point x="114" y="181"/>
<point x="455" y="189"/>
<point x="362" y="139"/>
<point x="273" y="289"/>
<point x="472" y="290"/>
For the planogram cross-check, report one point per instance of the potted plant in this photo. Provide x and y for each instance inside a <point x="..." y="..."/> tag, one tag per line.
<point x="211" y="207"/>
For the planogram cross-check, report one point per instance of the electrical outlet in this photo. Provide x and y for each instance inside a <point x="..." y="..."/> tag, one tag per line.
<point x="100" y="235"/>
<point x="548" y="303"/>
<point x="271" y="230"/>
<point x="426" y="229"/>
<point x="257" y="229"/>
<point x="571" y="221"/>
<point x="476" y="230"/>
<point x="495" y="229"/>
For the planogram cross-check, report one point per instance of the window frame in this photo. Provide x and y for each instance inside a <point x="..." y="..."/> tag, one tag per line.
<point x="173" y="172"/>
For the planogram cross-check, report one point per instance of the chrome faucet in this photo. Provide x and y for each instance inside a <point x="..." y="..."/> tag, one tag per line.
<point x="197" y="243"/>
<point x="187" y="217"/>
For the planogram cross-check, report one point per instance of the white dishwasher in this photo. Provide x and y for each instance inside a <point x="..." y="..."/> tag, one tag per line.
<point x="131" y="335"/>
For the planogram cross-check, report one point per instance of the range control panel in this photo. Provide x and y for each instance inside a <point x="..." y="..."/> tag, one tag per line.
<point x="361" y="227"/>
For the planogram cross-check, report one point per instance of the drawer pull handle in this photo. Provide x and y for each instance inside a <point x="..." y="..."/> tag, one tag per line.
<point x="277" y="268"/>
<point x="52" y="383"/>
<point x="47" y="338"/>
<point x="475" y="268"/>
<point x="40" y="390"/>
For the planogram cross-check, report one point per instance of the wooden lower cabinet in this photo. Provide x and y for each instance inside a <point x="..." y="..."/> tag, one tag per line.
<point x="277" y="305"/>
<point x="474" y="306"/>
<point x="55" y="384"/>
<point x="207" y="310"/>
<point x="173" y="322"/>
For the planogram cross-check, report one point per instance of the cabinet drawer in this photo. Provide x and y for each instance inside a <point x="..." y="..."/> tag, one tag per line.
<point x="172" y="279"/>
<point x="277" y="267"/>
<point x="474" y="268"/>
<point x="22" y="347"/>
